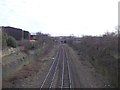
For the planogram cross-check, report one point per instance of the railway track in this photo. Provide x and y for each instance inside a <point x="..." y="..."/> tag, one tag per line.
<point x="59" y="71"/>
<point x="67" y="73"/>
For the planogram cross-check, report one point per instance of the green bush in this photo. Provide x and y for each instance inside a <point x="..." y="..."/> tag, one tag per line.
<point x="28" y="45"/>
<point x="11" y="42"/>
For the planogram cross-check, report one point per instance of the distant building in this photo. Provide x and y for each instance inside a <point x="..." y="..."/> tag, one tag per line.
<point x="14" y="32"/>
<point x="26" y="35"/>
<point x="33" y="37"/>
<point x="17" y="33"/>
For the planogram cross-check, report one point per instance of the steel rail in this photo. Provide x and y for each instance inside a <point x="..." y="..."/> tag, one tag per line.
<point x="70" y="79"/>
<point x="65" y="69"/>
<point x="62" y="72"/>
<point x="55" y="72"/>
<point x="50" y="69"/>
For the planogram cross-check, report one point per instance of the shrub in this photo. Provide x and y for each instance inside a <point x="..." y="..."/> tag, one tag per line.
<point x="11" y="42"/>
<point x="29" y="45"/>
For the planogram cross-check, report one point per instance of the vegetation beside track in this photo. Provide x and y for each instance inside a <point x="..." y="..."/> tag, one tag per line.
<point x="101" y="52"/>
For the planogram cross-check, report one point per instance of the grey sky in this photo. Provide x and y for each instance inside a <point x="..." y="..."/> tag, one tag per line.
<point x="60" y="17"/>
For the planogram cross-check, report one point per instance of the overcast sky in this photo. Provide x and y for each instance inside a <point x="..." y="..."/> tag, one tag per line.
<point x="60" y="17"/>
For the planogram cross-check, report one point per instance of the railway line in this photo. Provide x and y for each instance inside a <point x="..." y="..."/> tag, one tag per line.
<point x="64" y="71"/>
<point x="59" y="74"/>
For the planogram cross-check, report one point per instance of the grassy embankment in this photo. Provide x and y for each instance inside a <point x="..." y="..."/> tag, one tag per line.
<point x="32" y="51"/>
